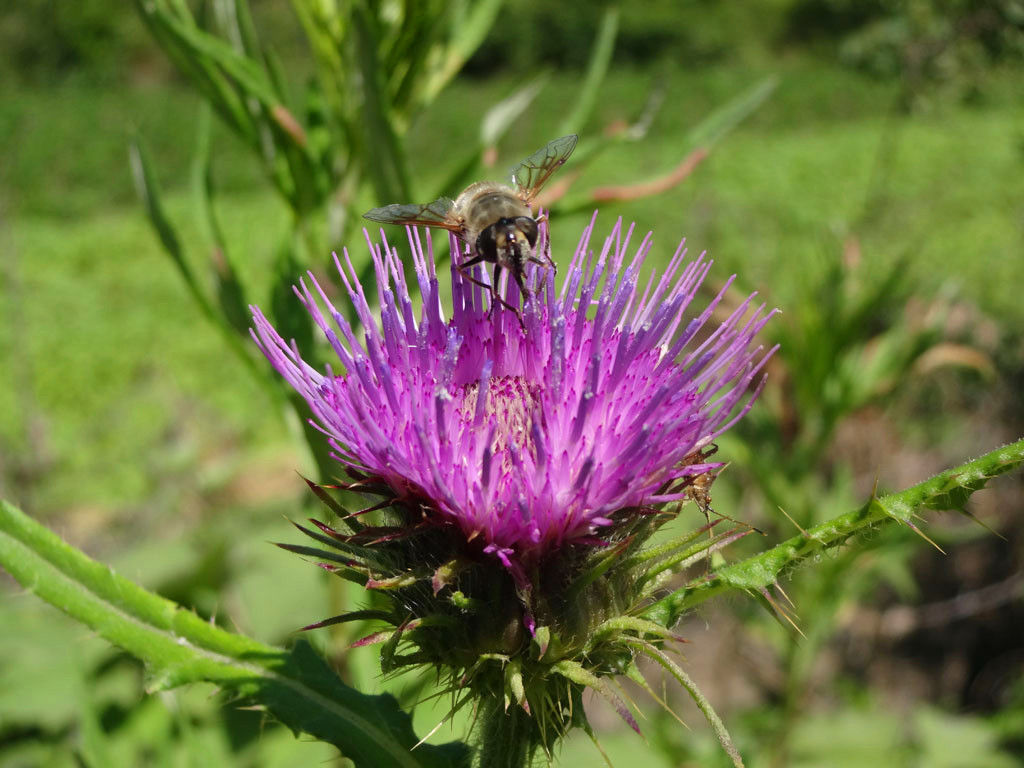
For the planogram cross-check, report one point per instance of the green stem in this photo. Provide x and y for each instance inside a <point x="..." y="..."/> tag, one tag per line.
<point x="947" y="490"/>
<point x="506" y="737"/>
<point x="179" y="647"/>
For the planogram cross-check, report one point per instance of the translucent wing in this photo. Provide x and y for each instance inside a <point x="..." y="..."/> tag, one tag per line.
<point x="535" y="170"/>
<point x="435" y="214"/>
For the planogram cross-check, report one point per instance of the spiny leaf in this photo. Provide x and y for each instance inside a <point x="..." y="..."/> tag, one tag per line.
<point x="633" y="673"/>
<point x="514" y="689"/>
<point x="345" y="572"/>
<point x="576" y="673"/>
<point x="631" y="624"/>
<point x="542" y="640"/>
<point x="446" y="573"/>
<point x="365" y="615"/>
<point x="680" y="561"/>
<point x="597" y="570"/>
<point x="396" y="582"/>
<point x="374" y="638"/>
<point x="365" y="555"/>
<point x="319" y="554"/>
<point x="666" y="549"/>
<point x="339" y="511"/>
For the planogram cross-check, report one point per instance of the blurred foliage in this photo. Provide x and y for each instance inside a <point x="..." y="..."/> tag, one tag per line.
<point x="661" y="32"/>
<point x="948" y="44"/>
<point x="41" y="40"/>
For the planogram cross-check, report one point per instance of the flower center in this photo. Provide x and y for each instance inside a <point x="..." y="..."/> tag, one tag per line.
<point x="511" y="401"/>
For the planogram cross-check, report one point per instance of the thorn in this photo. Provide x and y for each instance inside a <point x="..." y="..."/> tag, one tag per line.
<point x="983" y="524"/>
<point x="781" y="612"/>
<point x="788" y="600"/>
<point x="794" y="522"/>
<point x="922" y="534"/>
<point x="598" y="746"/>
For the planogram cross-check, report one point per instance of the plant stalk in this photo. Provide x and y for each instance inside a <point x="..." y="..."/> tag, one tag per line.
<point x="506" y="737"/>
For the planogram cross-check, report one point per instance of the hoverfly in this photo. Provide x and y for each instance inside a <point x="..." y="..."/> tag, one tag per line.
<point x="495" y="219"/>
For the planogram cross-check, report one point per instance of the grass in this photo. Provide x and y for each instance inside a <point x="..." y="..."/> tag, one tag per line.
<point x="115" y="363"/>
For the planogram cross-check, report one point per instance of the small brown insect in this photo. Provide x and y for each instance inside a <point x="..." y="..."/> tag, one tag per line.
<point x="699" y="486"/>
<point x="495" y="219"/>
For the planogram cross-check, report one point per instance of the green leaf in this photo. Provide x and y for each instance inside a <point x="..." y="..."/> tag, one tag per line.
<point x="149" y="192"/>
<point x="165" y="25"/>
<point x="230" y="292"/>
<point x="244" y="27"/>
<point x="203" y="46"/>
<point x="723" y="120"/>
<point x="244" y="95"/>
<point x="383" y="153"/>
<point x="499" y="118"/>
<point x="597" y="68"/>
<point x="947" y="490"/>
<point x="178" y="647"/>
<point x="409" y="50"/>
<point x="471" y="31"/>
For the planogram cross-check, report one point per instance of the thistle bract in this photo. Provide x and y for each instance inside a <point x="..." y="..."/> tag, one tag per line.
<point x="517" y="466"/>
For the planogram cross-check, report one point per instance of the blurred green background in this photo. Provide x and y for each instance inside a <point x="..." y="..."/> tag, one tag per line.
<point x="876" y="197"/>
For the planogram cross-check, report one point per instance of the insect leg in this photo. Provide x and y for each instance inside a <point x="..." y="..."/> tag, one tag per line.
<point x="495" y="287"/>
<point x="472" y="262"/>
<point x="494" y="293"/>
<point x="518" y="275"/>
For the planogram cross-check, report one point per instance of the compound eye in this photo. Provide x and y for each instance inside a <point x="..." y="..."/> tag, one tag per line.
<point x="528" y="227"/>
<point x="486" y="245"/>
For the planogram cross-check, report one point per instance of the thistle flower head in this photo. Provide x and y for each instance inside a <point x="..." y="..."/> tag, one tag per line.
<point x="528" y="437"/>
<point x="521" y="465"/>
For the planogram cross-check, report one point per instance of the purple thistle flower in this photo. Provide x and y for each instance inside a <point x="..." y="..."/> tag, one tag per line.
<point x="536" y="435"/>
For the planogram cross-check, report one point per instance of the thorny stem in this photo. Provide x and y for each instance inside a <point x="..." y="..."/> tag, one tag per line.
<point x="947" y="490"/>
<point x="506" y="737"/>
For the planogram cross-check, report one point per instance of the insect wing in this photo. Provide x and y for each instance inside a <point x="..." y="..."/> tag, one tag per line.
<point x="435" y="214"/>
<point x="535" y="170"/>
